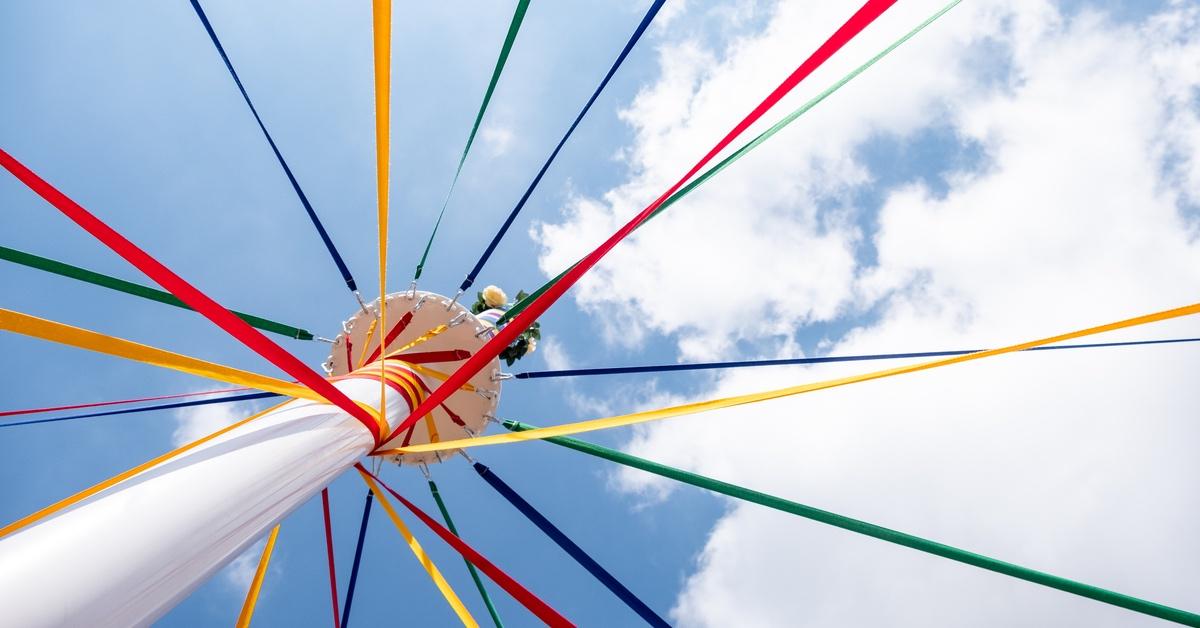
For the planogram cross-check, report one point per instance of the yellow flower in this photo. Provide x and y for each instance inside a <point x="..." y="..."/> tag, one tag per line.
<point x="494" y="297"/>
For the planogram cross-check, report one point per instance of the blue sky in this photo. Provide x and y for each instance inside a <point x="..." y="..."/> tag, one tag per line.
<point x="127" y="108"/>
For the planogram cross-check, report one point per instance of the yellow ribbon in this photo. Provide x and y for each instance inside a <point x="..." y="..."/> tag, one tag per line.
<point x="425" y="370"/>
<point x="381" y="16"/>
<point x="362" y="356"/>
<point x="431" y="427"/>
<point x="377" y="415"/>
<point x="121" y="477"/>
<point x="256" y="585"/>
<point x="714" y="404"/>
<point x="422" y="338"/>
<point x="410" y="383"/>
<point x="93" y="341"/>
<point x="451" y="597"/>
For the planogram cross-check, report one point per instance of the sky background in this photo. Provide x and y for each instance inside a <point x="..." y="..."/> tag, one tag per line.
<point x="1018" y="170"/>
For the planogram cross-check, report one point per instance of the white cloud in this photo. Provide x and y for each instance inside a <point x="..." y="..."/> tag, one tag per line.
<point x="555" y="354"/>
<point x="1080" y="463"/>
<point x="762" y="217"/>
<point x="200" y="421"/>
<point x="498" y="139"/>
<point x="239" y="573"/>
<point x="557" y="359"/>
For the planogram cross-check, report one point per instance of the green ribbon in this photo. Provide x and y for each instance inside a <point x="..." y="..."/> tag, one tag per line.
<point x="869" y="529"/>
<point x="746" y="148"/>
<point x="146" y="292"/>
<point x="487" y="599"/>
<point x="513" y="28"/>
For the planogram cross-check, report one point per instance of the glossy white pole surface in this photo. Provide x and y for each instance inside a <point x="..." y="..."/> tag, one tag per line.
<point x="127" y="555"/>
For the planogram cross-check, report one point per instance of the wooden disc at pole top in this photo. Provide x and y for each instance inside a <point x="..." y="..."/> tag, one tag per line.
<point x="437" y="336"/>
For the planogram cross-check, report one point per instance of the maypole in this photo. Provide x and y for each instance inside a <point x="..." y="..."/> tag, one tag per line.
<point x="125" y="551"/>
<point x="128" y="554"/>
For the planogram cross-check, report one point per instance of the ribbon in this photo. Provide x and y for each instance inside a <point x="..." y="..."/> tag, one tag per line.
<point x="512" y="215"/>
<point x="571" y="548"/>
<point x="513" y="27"/>
<point x="381" y="22"/>
<point x="100" y="404"/>
<point x="121" y="477"/>
<point x="540" y="609"/>
<point x="727" y="402"/>
<point x="138" y="290"/>
<point x="188" y="293"/>
<point x="487" y="599"/>
<point x="425" y="337"/>
<point x="746" y="148"/>
<point x="92" y="341"/>
<point x="438" y="375"/>
<point x="424" y="357"/>
<point x="164" y="406"/>
<point x="333" y="594"/>
<point x="401" y="381"/>
<point x="362" y="357"/>
<point x="358" y="550"/>
<point x="879" y="532"/>
<point x="506" y="335"/>
<point x="398" y="329"/>
<point x="312" y="214"/>
<point x="426" y="562"/>
<point x="660" y="368"/>
<point x="243" y="620"/>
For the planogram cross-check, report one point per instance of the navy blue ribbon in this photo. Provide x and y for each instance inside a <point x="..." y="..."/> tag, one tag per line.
<point x="656" y="368"/>
<point x="491" y="247"/>
<point x="162" y="406"/>
<point x="362" y="536"/>
<point x="576" y="552"/>
<point x="312" y="214"/>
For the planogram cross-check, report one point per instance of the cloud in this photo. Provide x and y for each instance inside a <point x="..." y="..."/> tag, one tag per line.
<point x="555" y="354"/>
<point x="497" y="139"/>
<point x="557" y="358"/>
<point x="200" y="421"/>
<point x="239" y="573"/>
<point x="804" y="179"/>
<point x="1060" y="194"/>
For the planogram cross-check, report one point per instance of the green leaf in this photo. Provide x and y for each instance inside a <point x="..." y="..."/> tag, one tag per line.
<point x="480" y="305"/>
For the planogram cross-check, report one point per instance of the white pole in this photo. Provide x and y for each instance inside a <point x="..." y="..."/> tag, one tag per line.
<point x="127" y="555"/>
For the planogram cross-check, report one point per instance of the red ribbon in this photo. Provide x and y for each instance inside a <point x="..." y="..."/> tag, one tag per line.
<point x="397" y="329"/>
<point x="424" y="357"/>
<point x="117" y="402"/>
<point x="329" y="556"/>
<point x="453" y="417"/>
<point x="857" y="22"/>
<point x="530" y="601"/>
<point x="396" y="386"/>
<point x="188" y="293"/>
